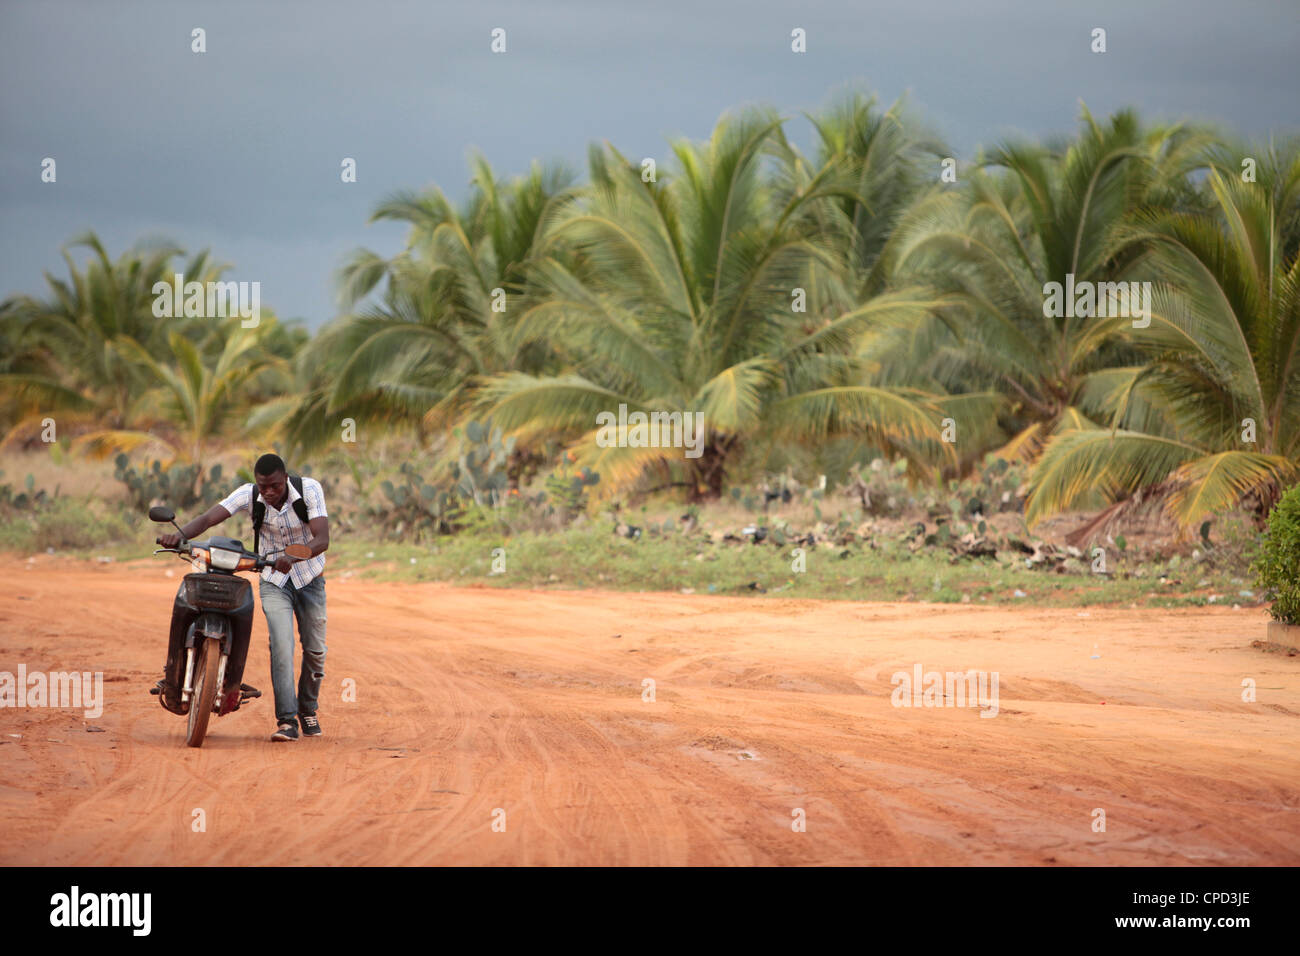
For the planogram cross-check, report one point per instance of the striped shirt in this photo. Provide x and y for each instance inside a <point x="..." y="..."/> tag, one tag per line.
<point x="281" y="527"/>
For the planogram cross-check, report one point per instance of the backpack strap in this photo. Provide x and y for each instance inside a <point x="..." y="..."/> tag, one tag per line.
<point x="259" y="515"/>
<point x="259" y="509"/>
<point x="299" y="503"/>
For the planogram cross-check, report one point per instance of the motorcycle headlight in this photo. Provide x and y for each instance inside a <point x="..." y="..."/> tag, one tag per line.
<point x="224" y="560"/>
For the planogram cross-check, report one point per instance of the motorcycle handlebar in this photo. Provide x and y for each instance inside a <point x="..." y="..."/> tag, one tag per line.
<point x="298" y="552"/>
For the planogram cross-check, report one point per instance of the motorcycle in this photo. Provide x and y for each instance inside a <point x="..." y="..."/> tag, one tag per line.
<point x="211" y="620"/>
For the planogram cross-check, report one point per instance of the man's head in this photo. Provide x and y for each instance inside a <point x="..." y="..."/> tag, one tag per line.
<point x="272" y="482"/>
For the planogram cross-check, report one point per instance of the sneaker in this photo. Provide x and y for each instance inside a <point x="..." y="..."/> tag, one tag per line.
<point x="310" y="725"/>
<point x="287" y="731"/>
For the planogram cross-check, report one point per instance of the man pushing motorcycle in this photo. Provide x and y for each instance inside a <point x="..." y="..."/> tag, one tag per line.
<point x="285" y="510"/>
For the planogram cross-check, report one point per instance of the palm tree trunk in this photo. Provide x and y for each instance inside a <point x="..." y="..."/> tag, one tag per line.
<point x="709" y="470"/>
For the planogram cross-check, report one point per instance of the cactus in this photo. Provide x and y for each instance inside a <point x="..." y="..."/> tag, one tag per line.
<point x="180" y="487"/>
<point x="1000" y="484"/>
<point x="480" y="470"/>
<point x="473" y="488"/>
<point x="29" y="500"/>
<point x="881" y="490"/>
<point x="414" y="505"/>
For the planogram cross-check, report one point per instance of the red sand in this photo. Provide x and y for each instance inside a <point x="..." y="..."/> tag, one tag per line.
<point x="472" y="700"/>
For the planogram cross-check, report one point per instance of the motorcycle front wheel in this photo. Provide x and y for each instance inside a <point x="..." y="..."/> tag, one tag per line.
<point x="204" y="698"/>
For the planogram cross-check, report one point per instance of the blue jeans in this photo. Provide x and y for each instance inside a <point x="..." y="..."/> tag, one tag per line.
<point x="280" y="605"/>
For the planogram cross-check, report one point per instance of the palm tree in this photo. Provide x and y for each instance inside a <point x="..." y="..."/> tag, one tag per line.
<point x="884" y="162"/>
<point x="29" y="376"/>
<point x="1030" y="216"/>
<point x="676" y="296"/>
<point x="197" y="394"/>
<point x="81" y="342"/>
<point x="445" y="316"/>
<point x="1221" y="393"/>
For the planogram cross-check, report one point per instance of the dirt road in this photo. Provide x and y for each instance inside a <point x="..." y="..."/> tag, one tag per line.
<point x="528" y="709"/>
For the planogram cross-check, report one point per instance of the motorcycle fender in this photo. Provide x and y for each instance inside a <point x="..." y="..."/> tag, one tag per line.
<point x="211" y="624"/>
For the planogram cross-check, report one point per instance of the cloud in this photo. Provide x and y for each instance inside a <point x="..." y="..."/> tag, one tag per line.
<point x="239" y="148"/>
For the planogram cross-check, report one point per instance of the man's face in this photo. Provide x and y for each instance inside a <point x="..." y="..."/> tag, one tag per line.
<point x="273" y="488"/>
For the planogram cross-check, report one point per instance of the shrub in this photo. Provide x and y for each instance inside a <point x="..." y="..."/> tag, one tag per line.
<point x="568" y="493"/>
<point x="65" y="524"/>
<point x="1277" y="568"/>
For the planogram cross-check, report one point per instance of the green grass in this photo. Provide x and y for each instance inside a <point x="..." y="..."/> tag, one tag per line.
<point x="592" y="556"/>
<point x="589" y="555"/>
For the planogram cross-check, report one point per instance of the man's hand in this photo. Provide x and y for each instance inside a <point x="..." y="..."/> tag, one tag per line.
<point x="284" y="564"/>
<point x="169" y="540"/>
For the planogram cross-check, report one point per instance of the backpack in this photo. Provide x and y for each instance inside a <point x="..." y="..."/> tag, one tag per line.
<point x="259" y="509"/>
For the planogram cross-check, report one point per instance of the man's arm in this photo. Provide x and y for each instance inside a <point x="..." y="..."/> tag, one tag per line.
<point x="320" y="534"/>
<point x="318" y="522"/>
<point x="213" y="516"/>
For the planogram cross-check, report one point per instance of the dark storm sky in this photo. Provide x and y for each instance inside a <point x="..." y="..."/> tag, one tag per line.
<point x="238" y="149"/>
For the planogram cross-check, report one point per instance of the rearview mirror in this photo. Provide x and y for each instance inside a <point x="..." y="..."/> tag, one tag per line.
<point x="299" y="552"/>
<point x="159" y="513"/>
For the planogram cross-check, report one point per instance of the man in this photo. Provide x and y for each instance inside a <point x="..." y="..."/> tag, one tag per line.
<point x="288" y="590"/>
